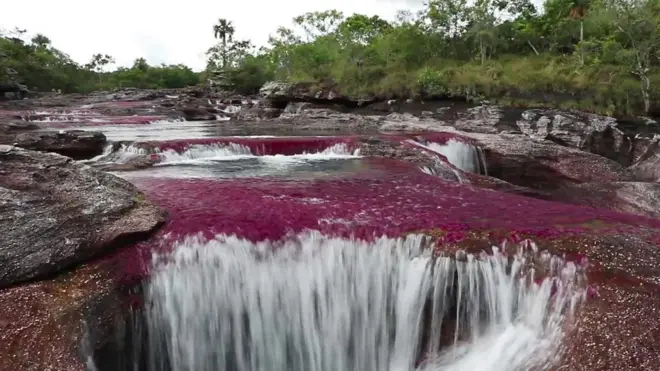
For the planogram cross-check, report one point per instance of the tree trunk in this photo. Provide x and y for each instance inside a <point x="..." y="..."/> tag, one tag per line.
<point x="581" y="30"/>
<point x="581" y="40"/>
<point x="646" y="85"/>
<point x="533" y="48"/>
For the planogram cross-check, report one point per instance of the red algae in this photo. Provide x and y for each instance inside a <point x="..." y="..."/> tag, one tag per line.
<point x="370" y="204"/>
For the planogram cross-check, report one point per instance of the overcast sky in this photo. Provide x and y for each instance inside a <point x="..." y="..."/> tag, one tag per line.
<point x="174" y="31"/>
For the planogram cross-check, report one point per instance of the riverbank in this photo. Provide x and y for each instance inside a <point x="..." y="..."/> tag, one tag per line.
<point x="544" y="81"/>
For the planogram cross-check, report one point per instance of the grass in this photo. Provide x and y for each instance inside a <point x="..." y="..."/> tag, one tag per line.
<point x="538" y="81"/>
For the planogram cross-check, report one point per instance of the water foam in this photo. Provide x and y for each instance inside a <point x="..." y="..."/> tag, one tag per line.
<point x="314" y="303"/>
<point x="121" y="155"/>
<point x="203" y="154"/>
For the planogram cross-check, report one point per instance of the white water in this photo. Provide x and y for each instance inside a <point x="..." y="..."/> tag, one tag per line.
<point x="122" y="155"/>
<point x="203" y="154"/>
<point x="321" y="304"/>
<point x="462" y="155"/>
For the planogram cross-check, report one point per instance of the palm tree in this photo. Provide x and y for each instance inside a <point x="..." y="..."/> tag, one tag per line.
<point x="578" y="11"/>
<point x="223" y="30"/>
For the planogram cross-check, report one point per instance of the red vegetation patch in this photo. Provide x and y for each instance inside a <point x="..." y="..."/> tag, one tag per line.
<point x="373" y="203"/>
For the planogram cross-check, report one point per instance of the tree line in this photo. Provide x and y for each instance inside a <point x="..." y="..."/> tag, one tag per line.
<point x="595" y="55"/>
<point x="38" y="65"/>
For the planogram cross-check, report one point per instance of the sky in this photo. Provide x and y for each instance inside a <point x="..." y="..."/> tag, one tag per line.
<point x="170" y="32"/>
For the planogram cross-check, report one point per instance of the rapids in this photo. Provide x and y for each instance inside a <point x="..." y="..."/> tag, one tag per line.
<point x="318" y="300"/>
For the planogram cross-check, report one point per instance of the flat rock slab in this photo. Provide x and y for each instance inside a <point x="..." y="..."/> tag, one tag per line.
<point x="55" y="213"/>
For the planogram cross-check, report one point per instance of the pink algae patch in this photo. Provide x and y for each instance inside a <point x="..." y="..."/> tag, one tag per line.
<point x="262" y="146"/>
<point x="364" y="206"/>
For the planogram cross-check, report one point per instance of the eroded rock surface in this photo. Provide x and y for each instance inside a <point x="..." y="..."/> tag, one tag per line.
<point x="57" y="213"/>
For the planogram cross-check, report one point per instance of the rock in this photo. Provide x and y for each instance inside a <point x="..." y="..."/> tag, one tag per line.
<point x="14" y="91"/>
<point x="279" y="94"/>
<point x="480" y="119"/>
<point x="77" y="144"/>
<point x="58" y="213"/>
<point x="44" y="325"/>
<point x="588" y="132"/>
<point x="258" y="113"/>
<point x="197" y="114"/>
<point x="17" y="127"/>
<point x="544" y="164"/>
<point x="430" y="162"/>
<point x="647" y="168"/>
<point x="626" y="197"/>
<point x="135" y="163"/>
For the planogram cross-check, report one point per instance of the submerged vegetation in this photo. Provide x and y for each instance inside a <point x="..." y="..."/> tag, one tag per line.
<point x="595" y="55"/>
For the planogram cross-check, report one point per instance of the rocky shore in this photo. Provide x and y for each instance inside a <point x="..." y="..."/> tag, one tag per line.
<point x="578" y="184"/>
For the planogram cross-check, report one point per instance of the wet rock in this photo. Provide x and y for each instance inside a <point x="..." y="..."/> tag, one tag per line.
<point x="17" y="127"/>
<point x="58" y="213"/>
<point x="544" y="164"/>
<point x="197" y="114"/>
<point x="136" y="163"/>
<point x="627" y="197"/>
<point x="432" y="163"/>
<point x="257" y="113"/>
<point x="647" y="168"/>
<point x="588" y="132"/>
<point x="77" y="144"/>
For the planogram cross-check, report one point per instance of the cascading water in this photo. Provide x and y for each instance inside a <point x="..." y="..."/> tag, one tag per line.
<point x="462" y="155"/>
<point x="314" y="303"/>
<point x="200" y="154"/>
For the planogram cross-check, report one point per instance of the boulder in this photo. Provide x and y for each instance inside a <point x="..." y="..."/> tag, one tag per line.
<point x="278" y="93"/>
<point x="647" y="167"/>
<point x="77" y="144"/>
<point x="542" y="164"/>
<point x="197" y="114"/>
<point x="59" y="213"/>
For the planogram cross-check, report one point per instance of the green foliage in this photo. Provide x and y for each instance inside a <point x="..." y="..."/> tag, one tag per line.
<point x="598" y="55"/>
<point x="42" y="67"/>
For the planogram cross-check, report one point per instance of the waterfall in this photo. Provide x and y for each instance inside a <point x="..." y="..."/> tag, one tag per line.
<point x="314" y="303"/>
<point x="464" y="156"/>
<point x="204" y="153"/>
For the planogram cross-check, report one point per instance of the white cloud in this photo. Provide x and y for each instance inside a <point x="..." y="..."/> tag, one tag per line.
<point x="164" y="31"/>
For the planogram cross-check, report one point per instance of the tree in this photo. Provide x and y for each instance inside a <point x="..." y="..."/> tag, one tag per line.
<point x="41" y="41"/>
<point x="223" y="30"/>
<point x="638" y="23"/>
<point x="317" y="24"/>
<point x="362" y="29"/>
